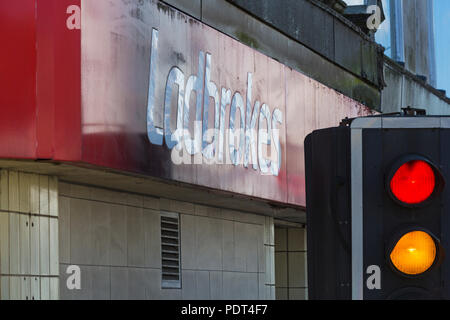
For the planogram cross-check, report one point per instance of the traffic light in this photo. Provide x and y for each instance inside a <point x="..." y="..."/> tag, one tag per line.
<point x="377" y="211"/>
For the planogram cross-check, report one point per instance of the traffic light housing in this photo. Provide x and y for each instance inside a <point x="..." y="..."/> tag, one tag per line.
<point x="377" y="214"/>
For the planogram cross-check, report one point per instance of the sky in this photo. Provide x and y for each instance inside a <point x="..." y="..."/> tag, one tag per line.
<point x="442" y="38"/>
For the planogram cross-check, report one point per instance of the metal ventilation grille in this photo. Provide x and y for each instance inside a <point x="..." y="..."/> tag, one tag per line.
<point x="170" y="250"/>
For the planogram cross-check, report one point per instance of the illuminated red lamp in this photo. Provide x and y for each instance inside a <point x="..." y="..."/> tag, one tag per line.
<point x="414" y="182"/>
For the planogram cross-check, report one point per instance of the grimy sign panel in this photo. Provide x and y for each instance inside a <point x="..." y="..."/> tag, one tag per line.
<point x="167" y="96"/>
<point x="204" y="88"/>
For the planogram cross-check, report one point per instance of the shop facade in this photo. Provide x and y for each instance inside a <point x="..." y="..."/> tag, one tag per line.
<point x="153" y="156"/>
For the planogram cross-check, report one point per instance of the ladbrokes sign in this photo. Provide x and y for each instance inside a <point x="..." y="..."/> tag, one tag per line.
<point x="246" y="140"/>
<point x="167" y="96"/>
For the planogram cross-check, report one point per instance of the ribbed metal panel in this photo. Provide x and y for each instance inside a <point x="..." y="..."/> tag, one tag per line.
<point x="170" y="250"/>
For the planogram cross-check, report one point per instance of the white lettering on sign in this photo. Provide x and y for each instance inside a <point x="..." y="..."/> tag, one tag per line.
<point x="245" y="144"/>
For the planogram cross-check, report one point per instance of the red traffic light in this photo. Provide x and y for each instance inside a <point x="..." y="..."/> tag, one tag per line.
<point x="414" y="181"/>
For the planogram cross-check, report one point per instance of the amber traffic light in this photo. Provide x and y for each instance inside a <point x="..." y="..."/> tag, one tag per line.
<point x="414" y="253"/>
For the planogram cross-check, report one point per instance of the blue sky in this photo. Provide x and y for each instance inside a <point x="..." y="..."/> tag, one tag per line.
<point x="442" y="35"/>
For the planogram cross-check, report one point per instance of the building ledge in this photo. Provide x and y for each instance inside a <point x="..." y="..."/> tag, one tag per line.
<point x="325" y="31"/>
<point x="154" y="187"/>
<point x="420" y="80"/>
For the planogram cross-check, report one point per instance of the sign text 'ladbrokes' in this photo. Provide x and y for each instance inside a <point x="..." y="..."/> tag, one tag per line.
<point x="254" y="141"/>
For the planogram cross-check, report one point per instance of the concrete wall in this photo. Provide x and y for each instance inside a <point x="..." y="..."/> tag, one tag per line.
<point x="323" y="30"/>
<point x="115" y="239"/>
<point x="28" y="236"/>
<point x="323" y="45"/>
<point x="404" y="89"/>
<point x="300" y="35"/>
<point x="290" y="263"/>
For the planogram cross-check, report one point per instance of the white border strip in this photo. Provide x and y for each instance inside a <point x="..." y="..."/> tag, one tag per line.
<point x="357" y="214"/>
<point x="400" y="122"/>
